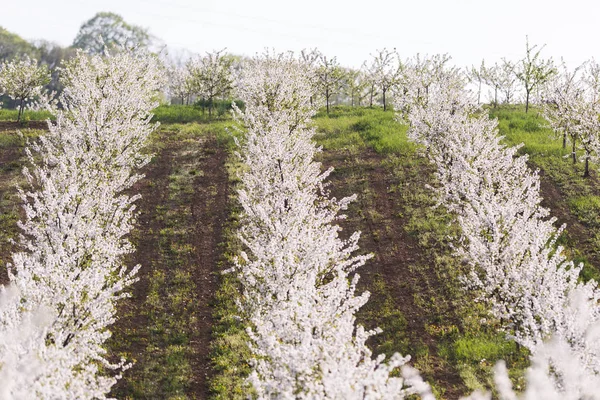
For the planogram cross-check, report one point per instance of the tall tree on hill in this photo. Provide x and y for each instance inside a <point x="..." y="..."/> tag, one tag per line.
<point x="533" y="70"/>
<point x="108" y="29"/>
<point x="53" y="55"/>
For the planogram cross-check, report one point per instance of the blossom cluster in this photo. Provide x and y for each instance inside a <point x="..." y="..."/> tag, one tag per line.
<point x="77" y="218"/>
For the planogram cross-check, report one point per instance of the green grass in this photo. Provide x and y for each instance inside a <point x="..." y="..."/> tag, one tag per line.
<point x="17" y="139"/>
<point x="192" y="113"/>
<point x="28" y="115"/>
<point x="230" y="354"/>
<point x="355" y="128"/>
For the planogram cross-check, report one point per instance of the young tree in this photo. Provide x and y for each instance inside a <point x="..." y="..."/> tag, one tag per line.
<point x="493" y="78"/>
<point x="508" y="80"/>
<point x="477" y="76"/>
<point x="385" y="71"/>
<point x="77" y="216"/>
<point x="23" y="80"/>
<point x="330" y="76"/>
<point x="533" y="71"/>
<point x="180" y="84"/>
<point x="562" y="93"/>
<point x="211" y="76"/>
<point x="370" y="83"/>
<point x="356" y="85"/>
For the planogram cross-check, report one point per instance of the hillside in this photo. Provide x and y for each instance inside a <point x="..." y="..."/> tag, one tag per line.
<point x="180" y="324"/>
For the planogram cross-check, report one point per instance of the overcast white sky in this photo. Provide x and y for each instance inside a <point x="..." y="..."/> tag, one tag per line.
<point x="469" y="30"/>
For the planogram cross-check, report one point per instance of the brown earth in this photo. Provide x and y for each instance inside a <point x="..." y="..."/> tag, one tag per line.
<point x="398" y="260"/>
<point x="10" y="166"/>
<point x="201" y="214"/>
<point x="209" y="211"/>
<point x="154" y="191"/>
<point x="579" y="234"/>
<point x="15" y="126"/>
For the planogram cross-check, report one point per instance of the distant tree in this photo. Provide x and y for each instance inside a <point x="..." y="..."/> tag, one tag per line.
<point x="22" y="80"/>
<point x="53" y="55"/>
<point x="180" y="84"/>
<point x="371" y="85"/>
<point x="508" y="80"/>
<point x="385" y="70"/>
<point x="108" y="29"/>
<point x="533" y="71"/>
<point x="211" y="76"/>
<point x="493" y="77"/>
<point x="355" y="85"/>
<point x="310" y="58"/>
<point x="330" y="76"/>
<point x="562" y="93"/>
<point x="476" y="75"/>
<point x="12" y="45"/>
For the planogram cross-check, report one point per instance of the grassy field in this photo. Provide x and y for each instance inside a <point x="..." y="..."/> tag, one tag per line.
<point x="181" y="325"/>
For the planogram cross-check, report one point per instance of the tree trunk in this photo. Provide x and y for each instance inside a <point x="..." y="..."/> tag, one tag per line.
<point x="564" y="139"/>
<point x="527" y="101"/>
<point x="586" y="172"/>
<point x="20" y="111"/>
<point x="384" y="105"/>
<point x="573" y="153"/>
<point x="496" y="97"/>
<point x="327" y="100"/>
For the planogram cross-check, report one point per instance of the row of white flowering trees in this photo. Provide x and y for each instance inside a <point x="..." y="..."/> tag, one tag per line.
<point x="69" y="274"/>
<point x="297" y="274"/>
<point x="507" y="238"/>
<point x="572" y="105"/>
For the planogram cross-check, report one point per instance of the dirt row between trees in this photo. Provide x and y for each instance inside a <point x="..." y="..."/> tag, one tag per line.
<point x="10" y="169"/>
<point x="165" y="327"/>
<point x="578" y="233"/>
<point x="12" y="160"/>
<point x="406" y="291"/>
<point x="6" y="126"/>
